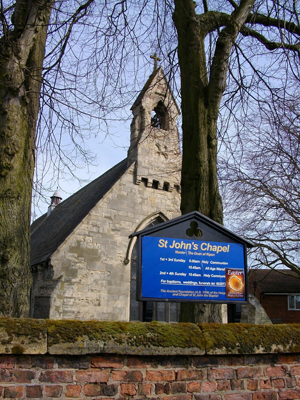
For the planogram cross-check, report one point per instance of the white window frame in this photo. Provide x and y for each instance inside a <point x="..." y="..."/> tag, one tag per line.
<point x="292" y="304"/>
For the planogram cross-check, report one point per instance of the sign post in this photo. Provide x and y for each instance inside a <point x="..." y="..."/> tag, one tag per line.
<point x="192" y="258"/>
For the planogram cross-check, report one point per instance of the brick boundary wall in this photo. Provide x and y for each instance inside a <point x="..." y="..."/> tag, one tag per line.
<point x="113" y="360"/>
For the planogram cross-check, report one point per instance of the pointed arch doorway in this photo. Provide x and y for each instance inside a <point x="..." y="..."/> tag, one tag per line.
<point x="148" y="311"/>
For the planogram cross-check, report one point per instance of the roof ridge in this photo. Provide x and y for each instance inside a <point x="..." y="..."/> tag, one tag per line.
<point x="53" y="230"/>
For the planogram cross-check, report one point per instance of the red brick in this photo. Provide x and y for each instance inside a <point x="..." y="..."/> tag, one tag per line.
<point x="126" y="376"/>
<point x="107" y="362"/>
<point x="252" y="384"/>
<point x="193" y="387"/>
<point x="275" y="371"/>
<point x="105" y="398"/>
<point x="290" y="382"/>
<point x="240" y="396"/>
<point x="73" y="362"/>
<point x="92" y="376"/>
<point x="278" y="383"/>
<point x="290" y="394"/>
<point x="295" y="370"/>
<point x="249" y="372"/>
<point x="190" y="375"/>
<point x="7" y="362"/>
<point x="178" y="387"/>
<point x="145" y="388"/>
<point x="221" y="373"/>
<point x="73" y="391"/>
<point x="138" y="362"/>
<point x="133" y="362"/>
<point x="109" y="390"/>
<point x="91" y="389"/>
<point x="237" y="384"/>
<point x="168" y="362"/>
<point x="30" y="362"/>
<point x="34" y="392"/>
<point x="205" y="361"/>
<point x="18" y="376"/>
<point x="56" y="376"/>
<point x="223" y="385"/>
<point x="209" y="386"/>
<point x="13" y="392"/>
<point x="128" y="389"/>
<point x="258" y="359"/>
<point x="162" y="388"/>
<point x="265" y="396"/>
<point x="207" y="397"/>
<point x="180" y="397"/>
<point x="287" y="358"/>
<point x="162" y="375"/>
<point x="265" y="384"/>
<point x="53" y="391"/>
<point x="229" y="361"/>
<point x="44" y="362"/>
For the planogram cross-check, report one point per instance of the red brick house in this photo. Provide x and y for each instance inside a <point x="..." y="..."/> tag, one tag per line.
<point x="278" y="291"/>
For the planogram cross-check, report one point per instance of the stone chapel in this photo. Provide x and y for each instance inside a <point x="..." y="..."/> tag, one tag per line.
<point x="83" y="261"/>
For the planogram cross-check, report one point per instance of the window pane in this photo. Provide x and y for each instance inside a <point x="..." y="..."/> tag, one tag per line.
<point x="174" y="312"/>
<point x="291" y="302"/>
<point x="134" y="304"/>
<point x="297" y="302"/>
<point x="161" y="311"/>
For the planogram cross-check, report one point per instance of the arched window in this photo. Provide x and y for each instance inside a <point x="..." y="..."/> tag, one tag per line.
<point x="159" y="116"/>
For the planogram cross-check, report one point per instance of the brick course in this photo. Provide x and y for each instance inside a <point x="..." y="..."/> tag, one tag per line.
<point x="117" y="377"/>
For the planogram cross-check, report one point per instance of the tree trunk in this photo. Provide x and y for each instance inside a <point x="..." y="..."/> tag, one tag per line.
<point x="21" y="61"/>
<point x="199" y="121"/>
<point x="199" y="162"/>
<point x="200" y="100"/>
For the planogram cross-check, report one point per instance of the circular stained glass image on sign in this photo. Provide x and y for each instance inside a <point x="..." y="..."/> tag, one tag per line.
<point x="235" y="283"/>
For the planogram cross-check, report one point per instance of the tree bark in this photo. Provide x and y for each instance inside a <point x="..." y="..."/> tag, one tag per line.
<point x="200" y="100"/>
<point x="21" y="61"/>
<point x="199" y="121"/>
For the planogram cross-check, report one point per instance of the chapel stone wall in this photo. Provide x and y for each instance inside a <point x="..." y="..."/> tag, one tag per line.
<point x="88" y="276"/>
<point x="90" y="268"/>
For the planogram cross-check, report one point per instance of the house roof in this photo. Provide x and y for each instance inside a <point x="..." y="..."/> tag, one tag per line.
<point x="48" y="233"/>
<point x="275" y="281"/>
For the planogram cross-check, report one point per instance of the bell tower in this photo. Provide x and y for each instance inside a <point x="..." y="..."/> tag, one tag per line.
<point x="154" y="140"/>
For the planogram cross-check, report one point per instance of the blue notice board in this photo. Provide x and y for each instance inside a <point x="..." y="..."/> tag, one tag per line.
<point x="187" y="270"/>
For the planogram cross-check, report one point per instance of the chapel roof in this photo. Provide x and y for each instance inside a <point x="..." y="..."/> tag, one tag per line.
<point x="48" y="233"/>
<point x="275" y="281"/>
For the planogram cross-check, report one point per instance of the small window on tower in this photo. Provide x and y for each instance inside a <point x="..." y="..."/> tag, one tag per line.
<point x="155" y="184"/>
<point x="159" y="117"/>
<point x="145" y="181"/>
<point x="166" y="186"/>
<point x="155" y="120"/>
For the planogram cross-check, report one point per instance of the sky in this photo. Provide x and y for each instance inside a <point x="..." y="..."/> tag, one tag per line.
<point x="108" y="152"/>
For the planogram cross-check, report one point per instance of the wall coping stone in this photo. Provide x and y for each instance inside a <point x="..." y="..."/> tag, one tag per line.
<point x="59" y="337"/>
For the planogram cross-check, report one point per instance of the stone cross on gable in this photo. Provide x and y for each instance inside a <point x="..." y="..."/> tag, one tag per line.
<point x="155" y="58"/>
